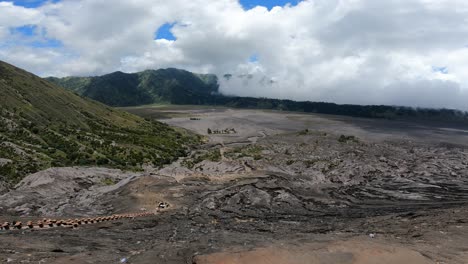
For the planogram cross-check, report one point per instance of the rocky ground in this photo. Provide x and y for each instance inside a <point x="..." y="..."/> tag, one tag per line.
<point x="286" y="188"/>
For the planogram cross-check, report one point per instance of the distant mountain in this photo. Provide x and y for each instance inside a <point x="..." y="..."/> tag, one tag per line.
<point x="175" y="86"/>
<point x="171" y="85"/>
<point x="43" y="125"/>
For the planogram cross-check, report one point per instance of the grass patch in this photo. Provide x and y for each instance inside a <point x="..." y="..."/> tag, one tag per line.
<point x="211" y="155"/>
<point x="253" y="151"/>
<point x="108" y="181"/>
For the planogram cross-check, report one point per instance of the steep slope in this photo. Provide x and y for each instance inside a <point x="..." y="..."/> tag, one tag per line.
<point x="43" y="125"/>
<point x="151" y="86"/>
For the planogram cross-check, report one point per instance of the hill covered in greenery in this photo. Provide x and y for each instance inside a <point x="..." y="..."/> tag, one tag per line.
<point x="43" y="125"/>
<point x="170" y="86"/>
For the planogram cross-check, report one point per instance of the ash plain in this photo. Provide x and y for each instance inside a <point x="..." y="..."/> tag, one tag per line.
<point x="286" y="187"/>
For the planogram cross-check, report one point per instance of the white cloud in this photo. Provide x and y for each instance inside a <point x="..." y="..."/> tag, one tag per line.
<point x="3" y="33"/>
<point x="34" y="60"/>
<point x="345" y="51"/>
<point x="14" y="16"/>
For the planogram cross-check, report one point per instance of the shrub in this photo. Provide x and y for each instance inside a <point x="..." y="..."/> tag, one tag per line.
<point x="108" y="181"/>
<point x="344" y="139"/>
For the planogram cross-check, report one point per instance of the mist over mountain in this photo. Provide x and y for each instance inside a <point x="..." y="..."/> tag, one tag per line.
<point x="181" y="87"/>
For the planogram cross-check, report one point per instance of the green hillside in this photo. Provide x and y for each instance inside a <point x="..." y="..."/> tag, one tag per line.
<point x="151" y="86"/>
<point x="43" y="125"/>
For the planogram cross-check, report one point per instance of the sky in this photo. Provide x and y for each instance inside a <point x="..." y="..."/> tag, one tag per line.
<point x="399" y="52"/>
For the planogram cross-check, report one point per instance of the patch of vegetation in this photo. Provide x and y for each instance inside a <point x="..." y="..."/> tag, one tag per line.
<point x="345" y="139"/>
<point x="108" y="181"/>
<point x="211" y="155"/>
<point x="253" y="151"/>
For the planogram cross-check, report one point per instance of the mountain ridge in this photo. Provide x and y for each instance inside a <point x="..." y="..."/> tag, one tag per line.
<point x="169" y="85"/>
<point x="181" y="87"/>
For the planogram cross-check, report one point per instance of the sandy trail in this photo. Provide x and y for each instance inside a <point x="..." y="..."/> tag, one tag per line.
<point x="341" y="252"/>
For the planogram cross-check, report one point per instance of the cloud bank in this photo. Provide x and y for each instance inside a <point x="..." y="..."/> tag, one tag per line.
<point x="401" y="52"/>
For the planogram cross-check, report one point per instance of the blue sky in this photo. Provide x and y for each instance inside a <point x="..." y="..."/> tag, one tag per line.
<point x="248" y="4"/>
<point x="35" y="37"/>
<point x="253" y="58"/>
<point x="28" y="30"/>
<point x="164" y="32"/>
<point x="443" y="70"/>
<point x="31" y="3"/>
